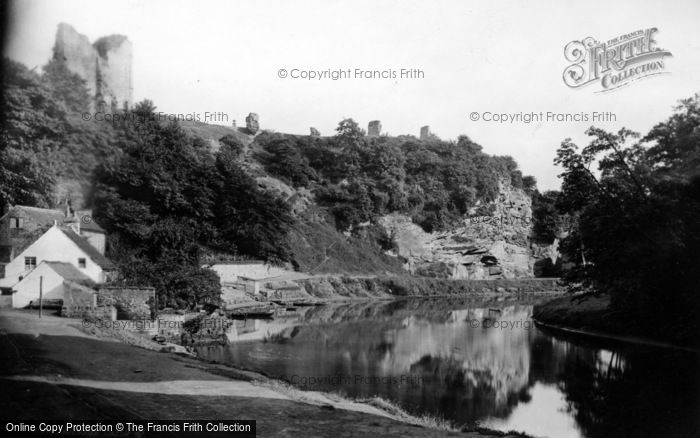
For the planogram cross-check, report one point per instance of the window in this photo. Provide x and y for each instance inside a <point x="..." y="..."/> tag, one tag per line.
<point x="81" y="263"/>
<point x="16" y="222"/>
<point x="29" y="263"/>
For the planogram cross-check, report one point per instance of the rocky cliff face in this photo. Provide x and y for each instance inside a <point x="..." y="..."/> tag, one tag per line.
<point x="105" y="65"/>
<point x="492" y="241"/>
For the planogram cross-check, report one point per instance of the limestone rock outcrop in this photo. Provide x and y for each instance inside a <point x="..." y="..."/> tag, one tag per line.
<point x="482" y="247"/>
<point x="105" y="65"/>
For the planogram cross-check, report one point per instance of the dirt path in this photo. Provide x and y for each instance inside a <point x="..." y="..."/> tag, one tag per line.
<point x="234" y="388"/>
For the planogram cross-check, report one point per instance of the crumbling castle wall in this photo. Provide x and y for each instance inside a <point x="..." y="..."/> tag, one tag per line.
<point x="252" y="123"/>
<point x="114" y="58"/>
<point x="105" y="65"/>
<point x="374" y="129"/>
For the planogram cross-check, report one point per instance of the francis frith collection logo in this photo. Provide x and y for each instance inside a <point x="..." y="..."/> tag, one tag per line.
<point x="614" y="63"/>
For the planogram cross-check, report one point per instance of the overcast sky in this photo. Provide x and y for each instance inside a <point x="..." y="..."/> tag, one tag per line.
<point x="496" y="56"/>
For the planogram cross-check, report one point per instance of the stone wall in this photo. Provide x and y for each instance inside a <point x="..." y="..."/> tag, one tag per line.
<point x="407" y="286"/>
<point x="78" y="300"/>
<point x="170" y="325"/>
<point x="76" y="52"/>
<point x="134" y="303"/>
<point x="230" y="272"/>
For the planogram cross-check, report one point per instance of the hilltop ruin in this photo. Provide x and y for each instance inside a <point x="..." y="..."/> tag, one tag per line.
<point x="105" y="65"/>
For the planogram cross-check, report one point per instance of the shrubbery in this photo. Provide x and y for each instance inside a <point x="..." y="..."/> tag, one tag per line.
<point x="358" y="178"/>
<point x="638" y="234"/>
<point x="166" y="201"/>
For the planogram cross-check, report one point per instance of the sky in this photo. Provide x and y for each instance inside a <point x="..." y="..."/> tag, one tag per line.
<point x="192" y="57"/>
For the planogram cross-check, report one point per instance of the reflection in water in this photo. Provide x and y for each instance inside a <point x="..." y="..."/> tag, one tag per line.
<point x="474" y="363"/>
<point x="546" y="414"/>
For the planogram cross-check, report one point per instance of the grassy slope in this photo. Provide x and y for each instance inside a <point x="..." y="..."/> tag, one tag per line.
<point x="212" y="133"/>
<point x="319" y="248"/>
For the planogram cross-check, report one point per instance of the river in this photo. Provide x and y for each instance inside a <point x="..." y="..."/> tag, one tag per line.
<point x="475" y="362"/>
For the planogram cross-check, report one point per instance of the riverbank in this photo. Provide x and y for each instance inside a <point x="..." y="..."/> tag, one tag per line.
<point x="52" y="362"/>
<point x="590" y="315"/>
<point x="347" y="287"/>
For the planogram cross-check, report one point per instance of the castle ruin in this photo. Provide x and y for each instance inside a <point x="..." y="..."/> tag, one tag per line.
<point x="105" y="65"/>
<point x="252" y="123"/>
<point x="374" y="129"/>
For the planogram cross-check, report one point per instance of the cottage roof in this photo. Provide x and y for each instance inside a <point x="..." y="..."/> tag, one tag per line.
<point x="88" y="249"/>
<point x="42" y="216"/>
<point x="49" y="216"/>
<point x="68" y="271"/>
<point x="87" y="223"/>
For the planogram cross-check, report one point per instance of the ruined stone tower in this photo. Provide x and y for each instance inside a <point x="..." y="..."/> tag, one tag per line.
<point x="252" y="123"/>
<point x="425" y="133"/>
<point x="105" y="65"/>
<point x="374" y="129"/>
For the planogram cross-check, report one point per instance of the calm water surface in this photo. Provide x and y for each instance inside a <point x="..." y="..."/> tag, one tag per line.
<point x="475" y="362"/>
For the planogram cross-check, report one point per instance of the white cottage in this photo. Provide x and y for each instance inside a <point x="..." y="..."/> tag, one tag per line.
<point x="51" y="277"/>
<point x="61" y="253"/>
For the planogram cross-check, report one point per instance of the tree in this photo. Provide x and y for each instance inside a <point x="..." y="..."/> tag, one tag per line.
<point x="233" y="143"/>
<point x="66" y="87"/>
<point x="349" y="133"/>
<point x="675" y="143"/>
<point x="33" y="126"/>
<point x="250" y="221"/>
<point x="544" y="216"/>
<point x="637" y="235"/>
<point x="529" y="184"/>
<point x="283" y="159"/>
<point x="156" y="200"/>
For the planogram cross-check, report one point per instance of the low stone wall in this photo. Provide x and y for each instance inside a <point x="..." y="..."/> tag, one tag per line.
<point x="134" y="303"/>
<point x="170" y="325"/>
<point x="78" y="301"/>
